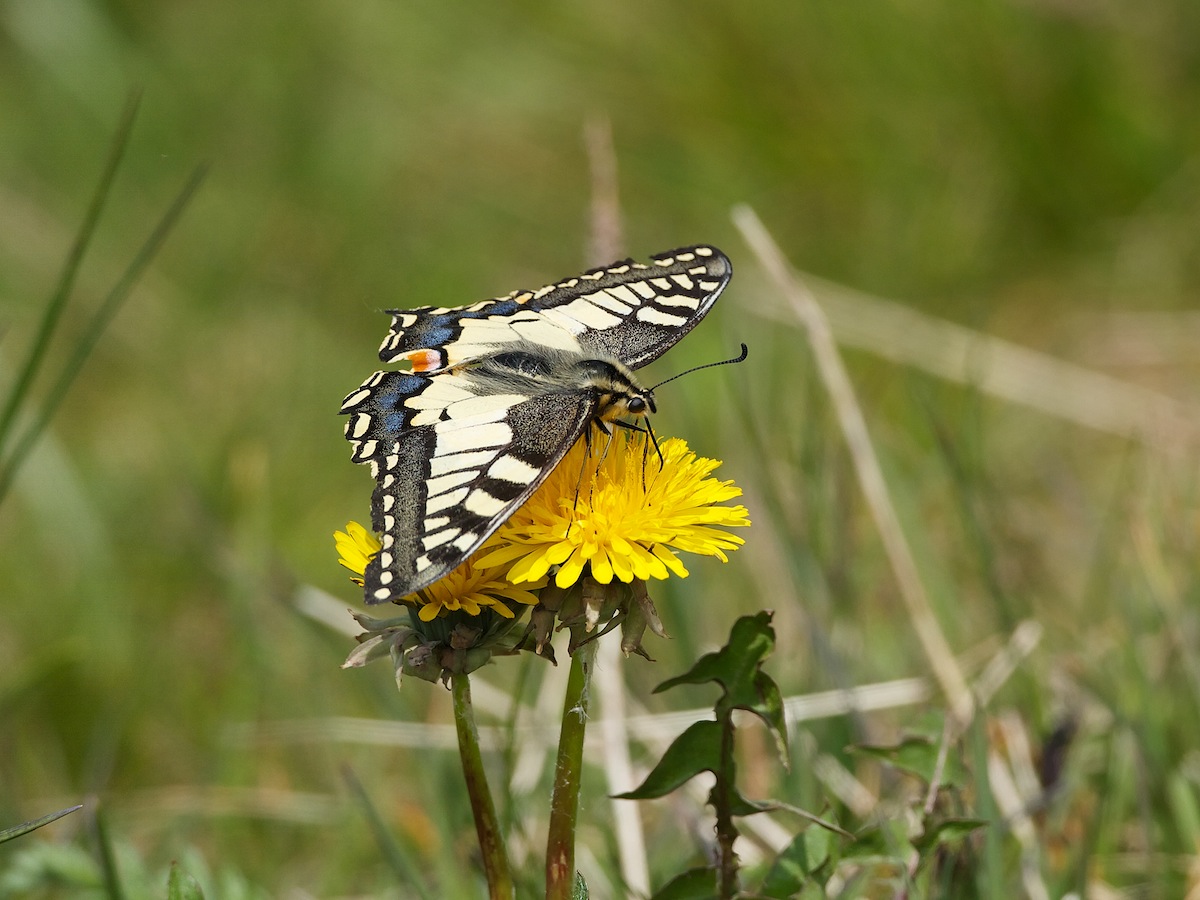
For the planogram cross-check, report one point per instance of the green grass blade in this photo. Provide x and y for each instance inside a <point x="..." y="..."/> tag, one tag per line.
<point x="66" y="281"/>
<point x="103" y="316"/>
<point x="408" y="871"/>
<point x="107" y="860"/>
<point x="25" y="827"/>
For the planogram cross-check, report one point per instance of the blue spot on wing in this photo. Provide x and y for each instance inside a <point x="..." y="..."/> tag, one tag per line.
<point x="437" y="335"/>
<point x="499" y="308"/>
<point x="401" y="385"/>
<point x="389" y="400"/>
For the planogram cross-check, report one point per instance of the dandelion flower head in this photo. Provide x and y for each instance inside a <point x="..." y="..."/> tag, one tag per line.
<point x="619" y="511"/>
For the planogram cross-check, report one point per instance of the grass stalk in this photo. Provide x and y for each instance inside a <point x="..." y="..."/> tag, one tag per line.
<point x="66" y="281"/>
<point x="107" y="858"/>
<point x="618" y="769"/>
<point x="94" y="329"/>
<point x="402" y="864"/>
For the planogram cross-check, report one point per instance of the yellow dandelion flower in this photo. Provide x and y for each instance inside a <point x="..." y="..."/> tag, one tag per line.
<point x="355" y="547"/>
<point x="470" y="588"/>
<point x="623" y="518"/>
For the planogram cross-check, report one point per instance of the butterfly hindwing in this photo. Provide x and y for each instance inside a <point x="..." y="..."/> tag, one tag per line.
<point x="451" y="470"/>
<point x="498" y="392"/>
<point x="629" y="310"/>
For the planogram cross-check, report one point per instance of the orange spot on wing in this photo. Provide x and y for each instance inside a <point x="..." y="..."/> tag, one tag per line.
<point x="424" y="360"/>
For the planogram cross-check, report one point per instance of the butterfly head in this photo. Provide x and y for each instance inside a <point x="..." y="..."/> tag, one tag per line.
<point x="618" y="393"/>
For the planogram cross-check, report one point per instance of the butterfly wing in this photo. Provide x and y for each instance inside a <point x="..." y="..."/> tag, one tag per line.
<point x="453" y="458"/>
<point x="628" y="310"/>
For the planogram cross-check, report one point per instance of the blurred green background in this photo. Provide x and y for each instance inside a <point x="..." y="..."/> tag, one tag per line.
<point x="1027" y="168"/>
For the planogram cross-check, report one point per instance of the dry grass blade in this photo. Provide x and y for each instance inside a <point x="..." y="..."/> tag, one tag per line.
<point x="1001" y="368"/>
<point x="837" y="383"/>
<point x="1008" y="799"/>
<point x="605" y="240"/>
<point x="607" y="679"/>
<point x="946" y="669"/>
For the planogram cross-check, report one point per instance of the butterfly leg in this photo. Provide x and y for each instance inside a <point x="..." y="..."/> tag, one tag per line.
<point x="587" y="441"/>
<point x="632" y="426"/>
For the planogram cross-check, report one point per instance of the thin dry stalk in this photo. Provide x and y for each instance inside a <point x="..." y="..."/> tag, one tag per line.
<point x="1008" y="800"/>
<point x="946" y="669"/>
<point x="1001" y="368"/>
<point x="605" y="246"/>
<point x="870" y="475"/>
<point x="1025" y="637"/>
<point x="618" y="768"/>
<point x="605" y="240"/>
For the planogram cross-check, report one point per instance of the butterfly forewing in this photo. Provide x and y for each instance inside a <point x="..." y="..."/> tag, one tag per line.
<point x="498" y="393"/>
<point x="629" y="310"/>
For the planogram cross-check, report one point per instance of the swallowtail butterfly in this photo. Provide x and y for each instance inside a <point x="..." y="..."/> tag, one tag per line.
<point x="498" y="392"/>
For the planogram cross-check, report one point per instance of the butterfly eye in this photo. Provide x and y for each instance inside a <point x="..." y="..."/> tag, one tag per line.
<point x="636" y="405"/>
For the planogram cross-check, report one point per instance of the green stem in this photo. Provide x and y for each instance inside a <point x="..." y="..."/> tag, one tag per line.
<point x="487" y="827"/>
<point x="727" y="861"/>
<point x="564" y="806"/>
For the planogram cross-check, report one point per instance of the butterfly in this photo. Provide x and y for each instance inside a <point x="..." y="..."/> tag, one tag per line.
<point x="498" y="392"/>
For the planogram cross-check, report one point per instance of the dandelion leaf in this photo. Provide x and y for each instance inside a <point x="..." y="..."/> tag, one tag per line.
<point x="737" y="667"/>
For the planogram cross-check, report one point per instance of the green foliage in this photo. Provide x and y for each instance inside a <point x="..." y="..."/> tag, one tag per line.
<point x="45" y="871"/>
<point x="697" y="750"/>
<point x="14" y="450"/>
<point x="182" y="886"/>
<point x="886" y="852"/>
<point x="918" y="755"/>
<point x="708" y="746"/>
<point x="805" y="864"/>
<point x="694" y="884"/>
<point x="46" y="867"/>
<point x="736" y="667"/>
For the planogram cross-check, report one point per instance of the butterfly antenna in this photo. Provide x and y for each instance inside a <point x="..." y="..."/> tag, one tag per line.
<point x="654" y="440"/>
<point x="724" y="362"/>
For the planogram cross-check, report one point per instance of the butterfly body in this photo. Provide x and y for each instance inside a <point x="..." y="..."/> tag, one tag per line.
<point x="497" y="394"/>
<point x="533" y="367"/>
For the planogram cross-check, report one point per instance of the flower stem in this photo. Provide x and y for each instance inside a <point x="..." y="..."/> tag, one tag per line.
<point x="723" y="795"/>
<point x="564" y="805"/>
<point x="487" y="827"/>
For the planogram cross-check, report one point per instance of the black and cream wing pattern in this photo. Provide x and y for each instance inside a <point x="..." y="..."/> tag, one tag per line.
<point x="498" y="392"/>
